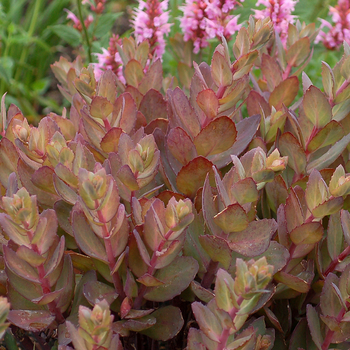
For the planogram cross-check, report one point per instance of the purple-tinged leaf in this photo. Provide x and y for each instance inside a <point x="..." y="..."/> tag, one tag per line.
<point x="19" y="266"/>
<point x="142" y="248"/>
<point x="153" y="78"/>
<point x="207" y="321"/>
<point x="176" y="278"/>
<point x="290" y="146"/>
<point x="169" y="322"/>
<point x="124" y="113"/>
<point x="276" y="255"/>
<point x="217" y="137"/>
<point x="95" y="292"/>
<point x="139" y="324"/>
<point x="202" y="293"/>
<point x="85" y="237"/>
<point x="314" y="324"/>
<point x="181" y="146"/>
<point x="255" y="239"/>
<point x="217" y="248"/>
<point x="255" y="102"/>
<point x="271" y="71"/>
<point x="30" y="320"/>
<point x="345" y="224"/>
<point x="55" y="258"/>
<point x="42" y="178"/>
<point x="181" y="112"/>
<point x="153" y="106"/>
<point x="45" y="231"/>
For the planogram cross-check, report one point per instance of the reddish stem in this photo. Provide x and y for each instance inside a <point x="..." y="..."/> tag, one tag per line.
<point x="221" y="92"/>
<point x="150" y="270"/>
<point x="328" y="339"/>
<point x="45" y="285"/>
<point x="110" y="256"/>
<point x="209" y="276"/>
<point x="287" y="71"/>
<point x="226" y="332"/>
<point x="338" y="260"/>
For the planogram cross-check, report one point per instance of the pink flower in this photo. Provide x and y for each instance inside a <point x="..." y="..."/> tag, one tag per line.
<point x="95" y="5"/>
<point x="280" y="12"/>
<point x="110" y="59"/>
<point x="76" y="22"/>
<point x="207" y="19"/>
<point x="150" y="21"/>
<point x="340" y="31"/>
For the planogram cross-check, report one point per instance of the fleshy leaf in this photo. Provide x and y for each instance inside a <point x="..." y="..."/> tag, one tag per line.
<point x="169" y="322"/>
<point x="217" y="137"/>
<point x="176" y="277"/>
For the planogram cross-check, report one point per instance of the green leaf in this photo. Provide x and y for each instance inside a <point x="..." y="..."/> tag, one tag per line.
<point x="284" y="93"/>
<point x="328" y="80"/>
<point x="316" y="191"/>
<point x="316" y="107"/>
<point x="313" y="321"/>
<point x="328" y="135"/>
<point x="105" y="24"/>
<point x="330" y="156"/>
<point x="169" y="322"/>
<point x="95" y="292"/>
<point x="69" y="34"/>
<point x="29" y="320"/>
<point x="298" y="52"/>
<point x="292" y="282"/>
<point x="224" y="286"/>
<point x="176" y="278"/>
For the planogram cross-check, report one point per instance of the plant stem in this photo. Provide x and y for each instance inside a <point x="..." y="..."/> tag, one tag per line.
<point x="30" y="33"/>
<point x="210" y="274"/>
<point x="338" y="260"/>
<point x="150" y="270"/>
<point x="226" y="332"/>
<point x="88" y="44"/>
<point x="110" y="256"/>
<point x="328" y="339"/>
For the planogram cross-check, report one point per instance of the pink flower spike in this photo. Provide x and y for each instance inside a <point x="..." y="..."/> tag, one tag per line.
<point x="280" y="12"/>
<point x="340" y="30"/>
<point x="72" y="17"/>
<point x="207" y="19"/>
<point x="150" y="22"/>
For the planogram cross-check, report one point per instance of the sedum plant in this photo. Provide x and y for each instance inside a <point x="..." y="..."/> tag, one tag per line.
<point x="210" y="215"/>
